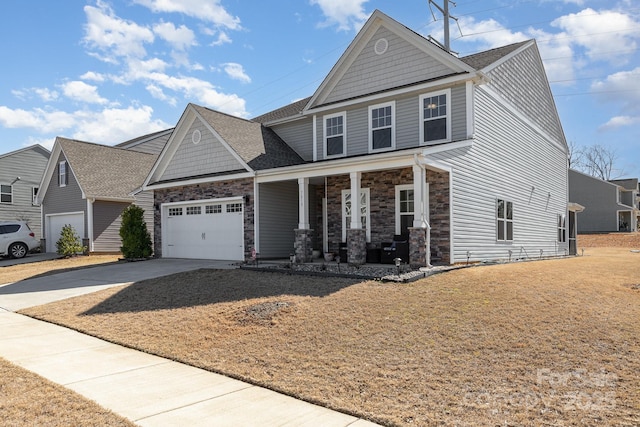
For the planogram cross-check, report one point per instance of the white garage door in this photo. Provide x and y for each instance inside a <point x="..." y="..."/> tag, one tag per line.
<point x="204" y="230"/>
<point x="55" y="224"/>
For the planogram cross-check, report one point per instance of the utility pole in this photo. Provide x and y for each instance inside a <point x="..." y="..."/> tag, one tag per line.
<point x="445" y="12"/>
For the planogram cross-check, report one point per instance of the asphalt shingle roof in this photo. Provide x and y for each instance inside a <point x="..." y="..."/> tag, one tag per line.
<point x="106" y="172"/>
<point x="482" y="59"/>
<point x="259" y="146"/>
<point x="283" y="112"/>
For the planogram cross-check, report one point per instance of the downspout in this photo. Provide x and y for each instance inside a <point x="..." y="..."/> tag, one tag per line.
<point x="256" y="218"/>
<point x="90" y="202"/>
<point x="425" y="212"/>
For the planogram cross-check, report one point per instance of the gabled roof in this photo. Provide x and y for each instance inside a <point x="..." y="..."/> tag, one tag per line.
<point x="288" y="111"/>
<point x="36" y="147"/>
<point x="258" y="146"/>
<point x="140" y="139"/>
<point x="480" y="60"/>
<point x="102" y="172"/>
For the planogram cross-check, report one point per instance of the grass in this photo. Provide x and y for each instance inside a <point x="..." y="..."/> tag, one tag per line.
<point x="27" y="399"/>
<point x="547" y="343"/>
<point x="15" y="273"/>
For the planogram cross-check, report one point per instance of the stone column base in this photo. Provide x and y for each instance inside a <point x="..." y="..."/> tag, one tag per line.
<point x="303" y="248"/>
<point x="356" y="246"/>
<point x="417" y="247"/>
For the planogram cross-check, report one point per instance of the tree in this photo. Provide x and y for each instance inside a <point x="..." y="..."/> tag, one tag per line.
<point x="136" y="240"/>
<point x="69" y="243"/>
<point x="596" y="160"/>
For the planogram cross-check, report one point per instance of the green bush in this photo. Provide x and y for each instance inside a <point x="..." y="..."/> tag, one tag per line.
<point x="69" y="243"/>
<point x="136" y="240"/>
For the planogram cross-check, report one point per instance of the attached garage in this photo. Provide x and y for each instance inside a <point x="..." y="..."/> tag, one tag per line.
<point x="55" y="222"/>
<point x="207" y="229"/>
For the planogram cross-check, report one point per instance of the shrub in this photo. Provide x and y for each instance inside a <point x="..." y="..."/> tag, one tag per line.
<point x="69" y="243"/>
<point x="136" y="240"/>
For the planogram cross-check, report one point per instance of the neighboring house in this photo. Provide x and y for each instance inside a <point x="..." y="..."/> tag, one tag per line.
<point x="88" y="186"/>
<point x="20" y="175"/>
<point x="464" y="158"/>
<point x="610" y="206"/>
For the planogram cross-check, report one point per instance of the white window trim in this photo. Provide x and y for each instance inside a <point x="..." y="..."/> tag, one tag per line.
<point x="446" y="92"/>
<point x="345" y="225"/>
<point x="512" y="221"/>
<point x="400" y="188"/>
<point x="342" y="114"/>
<point x="60" y="180"/>
<point x="11" y="194"/>
<point x="562" y="226"/>
<point x="391" y="104"/>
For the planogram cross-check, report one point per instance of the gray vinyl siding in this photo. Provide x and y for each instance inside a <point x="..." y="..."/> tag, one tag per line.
<point x="401" y="65"/>
<point x="64" y="199"/>
<point x="207" y="157"/>
<point x="106" y="225"/>
<point x="407" y="122"/>
<point x="600" y="201"/>
<point x="522" y="82"/>
<point x="527" y="170"/>
<point x="153" y="146"/>
<point x="29" y="166"/>
<point x="298" y="135"/>
<point x="278" y="218"/>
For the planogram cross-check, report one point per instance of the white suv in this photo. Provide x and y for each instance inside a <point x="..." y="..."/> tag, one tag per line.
<point x="16" y="239"/>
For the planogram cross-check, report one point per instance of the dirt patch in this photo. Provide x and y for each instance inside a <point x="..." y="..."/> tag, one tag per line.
<point x="552" y="342"/>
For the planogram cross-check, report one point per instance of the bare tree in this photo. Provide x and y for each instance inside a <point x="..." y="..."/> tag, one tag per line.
<point x="575" y="155"/>
<point x="597" y="160"/>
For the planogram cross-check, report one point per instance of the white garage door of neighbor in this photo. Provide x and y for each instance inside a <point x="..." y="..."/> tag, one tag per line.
<point x="211" y="230"/>
<point x="55" y="224"/>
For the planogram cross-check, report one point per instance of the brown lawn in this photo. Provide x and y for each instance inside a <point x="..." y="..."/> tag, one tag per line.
<point x="27" y="399"/>
<point x="551" y="342"/>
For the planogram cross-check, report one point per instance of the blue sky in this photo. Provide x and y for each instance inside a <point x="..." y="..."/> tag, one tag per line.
<point x="107" y="71"/>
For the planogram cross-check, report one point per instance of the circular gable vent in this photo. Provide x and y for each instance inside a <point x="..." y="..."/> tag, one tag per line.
<point x="381" y="46"/>
<point x="196" y="136"/>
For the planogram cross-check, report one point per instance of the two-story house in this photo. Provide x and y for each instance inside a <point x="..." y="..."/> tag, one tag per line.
<point x="20" y="175"/>
<point x="464" y="158"/>
<point x="610" y="206"/>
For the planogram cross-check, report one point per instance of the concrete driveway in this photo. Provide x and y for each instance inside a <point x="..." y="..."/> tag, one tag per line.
<point x="55" y="287"/>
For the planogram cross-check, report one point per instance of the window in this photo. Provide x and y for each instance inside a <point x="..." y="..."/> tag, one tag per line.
<point x="213" y="209"/>
<point x="435" y="113"/>
<point x="504" y="216"/>
<point x="404" y="209"/>
<point x="381" y="127"/>
<point x="364" y="212"/>
<point x="194" y="210"/>
<point x="34" y="195"/>
<point x="63" y="179"/>
<point x="175" y="211"/>
<point x="562" y="228"/>
<point x="335" y="135"/>
<point x="6" y="194"/>
<point x="234" y="207"/>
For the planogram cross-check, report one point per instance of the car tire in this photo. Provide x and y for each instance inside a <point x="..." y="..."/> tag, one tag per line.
<point x="18" y="250"/>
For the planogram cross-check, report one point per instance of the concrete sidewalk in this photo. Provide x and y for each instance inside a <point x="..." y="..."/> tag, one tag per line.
<point x="149" y="390"/>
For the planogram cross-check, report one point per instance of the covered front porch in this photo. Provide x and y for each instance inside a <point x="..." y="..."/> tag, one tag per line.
<point x="403" y="204"/>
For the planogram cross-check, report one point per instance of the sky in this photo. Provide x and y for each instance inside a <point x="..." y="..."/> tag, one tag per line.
<point x="106" y="71"/>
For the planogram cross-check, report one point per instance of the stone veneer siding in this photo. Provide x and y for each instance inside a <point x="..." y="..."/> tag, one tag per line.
<point x="213" y="190"/>
<point x="303" y="246"/>
<point x="382" y="199"/>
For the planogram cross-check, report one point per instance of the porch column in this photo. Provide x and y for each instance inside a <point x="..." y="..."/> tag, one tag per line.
<point x="419" y="234"/>
<point x="356" y="235"/>
<point x="303" y="247"/>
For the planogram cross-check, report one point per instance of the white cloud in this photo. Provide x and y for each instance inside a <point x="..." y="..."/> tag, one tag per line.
<point x="180" y="38"/>
<point x="46" y="142"/>
<point x="38" y="119"/>
<point x="346" y="14"/>
<point x="45" y="94"/>
<point x="112" y="36"/>
<point x="621" y="86"/>
<point x="158" y="93"/>
<point x="205" y="10"/>
<point x="81" y="91"/>
<point x="619" y="122"/>
<point x="601" y="33"/>
<point x="236" y="72"/>
<point x="223" y="38"/>
<point x="93" y="76"/>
